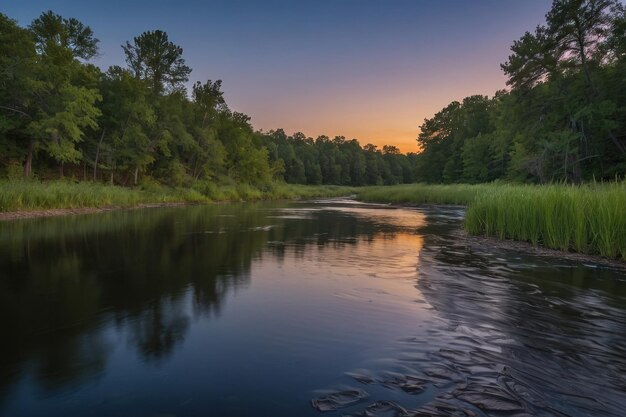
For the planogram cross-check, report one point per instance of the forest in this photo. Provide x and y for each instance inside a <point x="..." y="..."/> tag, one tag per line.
<point x="562" y="118"/>
<point x="60" y="115"/>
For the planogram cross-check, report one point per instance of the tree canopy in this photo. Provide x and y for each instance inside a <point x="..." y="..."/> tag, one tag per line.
<point x="564" y="117"/>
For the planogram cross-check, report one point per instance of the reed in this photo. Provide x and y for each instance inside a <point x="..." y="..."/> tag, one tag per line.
<point x="589" y="218"/>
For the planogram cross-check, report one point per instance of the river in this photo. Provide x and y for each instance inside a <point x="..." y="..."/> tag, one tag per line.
<point x="328" y="307"/>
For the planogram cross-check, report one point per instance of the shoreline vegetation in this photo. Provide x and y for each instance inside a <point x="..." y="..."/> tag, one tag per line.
<point x="588" y="219"/>
<point x="32" y="195"/>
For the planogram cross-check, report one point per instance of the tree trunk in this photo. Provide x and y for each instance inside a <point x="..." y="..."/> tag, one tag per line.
<point x="95" y="165"/>
<point x="590" y="84"/>
<point x="28" y="164"/>
<point x="111" y="177"/>
<point x="586" y="71"/>
<point x="195" y="173"/>
<point x="136" y="175"/>
<point x="577" y="174"/>
<point x="61" y="170"/>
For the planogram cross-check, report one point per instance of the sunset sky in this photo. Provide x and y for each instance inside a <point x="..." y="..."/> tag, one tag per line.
<point x="371" y="70"/>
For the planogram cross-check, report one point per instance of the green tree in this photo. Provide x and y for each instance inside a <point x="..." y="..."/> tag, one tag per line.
<point x="129" y="118"/>
<point x="206" y="158"/>
<point x="153" y="57"/>
<point x="65" y="93"/>
<point x="533" y="60"/>
<point x="17" y="82"/>
<point x="52" y="31"/>
<point x="477" y="158"/>
<point x="578" y="27"/>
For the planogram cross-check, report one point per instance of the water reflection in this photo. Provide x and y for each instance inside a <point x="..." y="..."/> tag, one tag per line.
<point x="519" y="335"/>
<point x="149" y="275"/>
<point x="63" y="278"/>
<point x="286" y="309"/>
<point x="527" y="335"/>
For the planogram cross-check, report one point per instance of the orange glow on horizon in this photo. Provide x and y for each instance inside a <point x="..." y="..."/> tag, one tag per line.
<point x="380" y="114"/>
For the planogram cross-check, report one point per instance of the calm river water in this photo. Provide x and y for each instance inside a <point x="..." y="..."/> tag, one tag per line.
<point x="299" y="309"/>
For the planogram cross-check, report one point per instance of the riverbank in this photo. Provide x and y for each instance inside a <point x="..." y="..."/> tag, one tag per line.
<point x="588" y="219"/>
<point x="28" y="199"/>
<point x="517" y="246"/>
<point x="34" y="214"/>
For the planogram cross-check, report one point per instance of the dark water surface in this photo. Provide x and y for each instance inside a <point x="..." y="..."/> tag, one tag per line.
<point x="285" y="309"/>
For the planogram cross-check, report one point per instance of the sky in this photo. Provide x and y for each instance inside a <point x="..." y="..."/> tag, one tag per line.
<point x="366" y="69"/>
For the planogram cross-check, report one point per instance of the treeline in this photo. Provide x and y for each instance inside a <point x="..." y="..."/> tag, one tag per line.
<point x="564" y="117"/>
<point x="304" y="160"/>
<point x="61" y="115"/>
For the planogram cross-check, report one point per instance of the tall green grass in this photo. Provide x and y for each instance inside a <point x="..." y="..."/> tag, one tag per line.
<point x="18" y="195"/>
<point x="28" y="195"/>
<point x="589" y="219"/>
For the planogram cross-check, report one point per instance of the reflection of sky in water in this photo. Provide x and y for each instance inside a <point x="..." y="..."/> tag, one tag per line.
<point x="256" y="309"/>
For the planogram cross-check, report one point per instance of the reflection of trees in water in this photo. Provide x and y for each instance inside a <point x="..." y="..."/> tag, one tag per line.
<point x="156" y="330"/>
<point x="65" y="279"/>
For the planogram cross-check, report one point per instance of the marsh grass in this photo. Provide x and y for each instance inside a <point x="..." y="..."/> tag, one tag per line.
<point x="589" y="218"/>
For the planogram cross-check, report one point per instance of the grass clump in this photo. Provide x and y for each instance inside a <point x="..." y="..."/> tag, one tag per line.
<point x="589" y="218"/>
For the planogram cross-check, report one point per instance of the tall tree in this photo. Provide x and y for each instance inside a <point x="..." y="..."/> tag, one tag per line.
<point x="533" y="60"/>
<point x="153" y="57"/>
<point x="207" y="155"/>
<point x="129" y="118"/>
<point x="578" y="27"/>
<point x="52" y="31"/>
<point x="64" y="94"/>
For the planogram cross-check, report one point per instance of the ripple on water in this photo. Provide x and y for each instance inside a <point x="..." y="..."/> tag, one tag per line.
<point x="511" y="335"/>
<point x="339" y="399"/>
